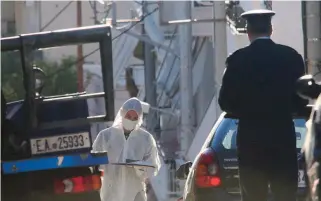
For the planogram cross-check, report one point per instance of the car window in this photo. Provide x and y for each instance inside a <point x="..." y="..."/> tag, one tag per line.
<point x="229" y="142"/>
<point x="227" y="131"/>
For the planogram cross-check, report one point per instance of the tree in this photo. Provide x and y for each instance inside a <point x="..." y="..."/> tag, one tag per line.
<point x="61" y="77"/>
<point x="11" y="76"/>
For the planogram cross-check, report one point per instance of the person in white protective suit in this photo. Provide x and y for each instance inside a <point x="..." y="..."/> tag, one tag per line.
<point x="127" y="141"/>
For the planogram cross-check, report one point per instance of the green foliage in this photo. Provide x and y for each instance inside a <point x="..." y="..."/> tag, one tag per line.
<point x="61" y="77"/>
<point x="11" y="76"/>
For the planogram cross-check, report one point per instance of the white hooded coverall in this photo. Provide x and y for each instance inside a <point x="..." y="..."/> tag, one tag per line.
<point x="123" y="183"/>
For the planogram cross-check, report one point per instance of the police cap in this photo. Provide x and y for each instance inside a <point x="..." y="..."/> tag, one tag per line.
<point x="258" y="20"/>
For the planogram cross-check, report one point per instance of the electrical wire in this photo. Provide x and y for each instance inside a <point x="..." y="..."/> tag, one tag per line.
<point x="94" y="51"/>
<point x="57" y="15"/>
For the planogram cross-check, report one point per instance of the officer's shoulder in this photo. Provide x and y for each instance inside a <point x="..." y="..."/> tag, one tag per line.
<point x="287" y="49"/>
<point x="237" y="54"/>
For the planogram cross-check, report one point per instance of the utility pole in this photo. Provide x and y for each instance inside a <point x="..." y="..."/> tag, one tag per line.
<point x="79" y="51"/>
<point x="95" y="12"/>
<point x="220" y="45"/>
<point x="186" y="78"/>
<point x="149" y="73"/>
<point x="313" y="22"/>
<point x="114" y="13"/>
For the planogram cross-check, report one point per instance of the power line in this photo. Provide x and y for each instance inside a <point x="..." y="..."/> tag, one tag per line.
<point x="94" y="51"/>
<point x="57" y="15"/>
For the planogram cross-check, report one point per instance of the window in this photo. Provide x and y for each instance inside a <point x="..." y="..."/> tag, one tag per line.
<point x="229" y="134"/>
<point x="227" y="131"/>
<point x="229" y="141"/>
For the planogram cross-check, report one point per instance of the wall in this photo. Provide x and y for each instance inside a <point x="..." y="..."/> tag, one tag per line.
<point x="33" y="18"/>
<point x="7" y="10"/>
<point x="250" y="5"/>
<point x="68" y="19"/>
<point x="7" y="15"/>
<point x="203" y="70"/>
<point x="287" y="24"/>
<point x="27" y="17"/>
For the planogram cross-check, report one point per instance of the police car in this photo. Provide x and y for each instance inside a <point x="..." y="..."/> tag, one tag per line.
<point x="214" y="173"/>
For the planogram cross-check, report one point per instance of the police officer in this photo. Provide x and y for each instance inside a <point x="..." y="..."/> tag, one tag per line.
<point x="259" y="87"/>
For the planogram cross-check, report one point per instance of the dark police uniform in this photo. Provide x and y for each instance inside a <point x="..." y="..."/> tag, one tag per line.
<point x="259" y="87"/>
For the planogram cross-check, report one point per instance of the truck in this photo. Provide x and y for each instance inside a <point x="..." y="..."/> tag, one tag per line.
<point x="55" y="162"/>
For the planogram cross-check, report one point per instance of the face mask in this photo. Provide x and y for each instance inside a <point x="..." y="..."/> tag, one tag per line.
<point x="129" y="125"/>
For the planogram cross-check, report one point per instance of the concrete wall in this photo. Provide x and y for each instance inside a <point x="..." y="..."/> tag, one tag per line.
<point x="37" y="15"/>
<point x="287" y="24"/>
<point x="7" y="10"/>
<point x="7" y="16"/>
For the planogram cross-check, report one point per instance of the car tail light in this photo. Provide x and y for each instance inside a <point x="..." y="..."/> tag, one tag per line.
<point x="77" y="184"/>
<point x="207" y="170"/>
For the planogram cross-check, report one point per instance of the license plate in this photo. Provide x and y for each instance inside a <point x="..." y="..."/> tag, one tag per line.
<point x="60" y="143"/>
<point x="301" y="179"/>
